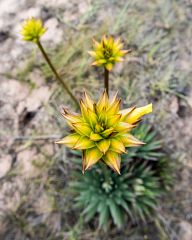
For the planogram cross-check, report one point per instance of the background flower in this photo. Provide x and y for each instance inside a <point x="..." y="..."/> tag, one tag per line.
<point x="107" y="52"/>
<point x="32" y="30"/>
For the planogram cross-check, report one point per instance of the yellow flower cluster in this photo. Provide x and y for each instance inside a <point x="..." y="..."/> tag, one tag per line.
<point x="32" y="30"/>
<point x="102" y="130"/>
<point x="107" y="52"/>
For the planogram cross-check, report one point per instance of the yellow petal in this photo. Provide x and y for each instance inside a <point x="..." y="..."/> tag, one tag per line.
<point x="117" y="145"/>
<point x="83" y="109"/>
<point x="103" y="116"/>
<point x="110" y="41"/>
<point x="94" y="63"/>
<point x="101" y="61"/>
<point x="109" y="66"/>
<point x="84" y="143"/>
<point x="69" y="140"/>
<point x="113" y="120"/>
<point x="98" y="128"/>
<point x="137" y="113"/>
<point x="95" y="43"/>
<point x="112" y="159"/>
<point x="125" y="112"/>
<point x="104" y="40"/>
<point x="123" y="52"/>
<point x="118" y="41"/>
<point x="107" y="132"/>
<point x="103" y="145"/>
<point x="82" y="128"/>
<point x="88" y="101"/>
<point x="103" y="101"/>
<point x="91" y="156"/>
<point x="95" y="136"/>
<point x="119" y="59"/>
<point x="72" y="118"/>
<point x="130" y="141"/>
<point x="114" y="107"/>
<point x="91" y="117"/>
<point x="114" y="99"/>
<point x="92" y="53"/>
<point x="123" y="127"/>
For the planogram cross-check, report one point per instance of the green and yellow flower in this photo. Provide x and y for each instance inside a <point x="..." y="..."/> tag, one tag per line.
<point x="107" y="52"/>
<point x="32" y="30"/>
<point x="102" y="130"/>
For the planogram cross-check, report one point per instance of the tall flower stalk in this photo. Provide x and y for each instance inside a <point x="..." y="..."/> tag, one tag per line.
<point x="32" y="30"/>
<point x="106" y="80"/>
<point x="60" y="80"/>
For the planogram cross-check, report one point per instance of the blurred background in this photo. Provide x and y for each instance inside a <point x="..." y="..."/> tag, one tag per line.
<point x="35" y="197"/>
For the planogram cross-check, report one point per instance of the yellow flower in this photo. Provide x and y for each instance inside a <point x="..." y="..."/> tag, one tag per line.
<point x="102" y="130"/>
<point x="107" y="52"/>
<point x="32" y="30"/>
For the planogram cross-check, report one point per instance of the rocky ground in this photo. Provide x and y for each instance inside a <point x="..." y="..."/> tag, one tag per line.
<point x="35" y="202"/>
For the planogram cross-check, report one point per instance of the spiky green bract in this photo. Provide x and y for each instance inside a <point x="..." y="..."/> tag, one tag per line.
<point x="131" y="195"/>
<point x="101" y="131"/>
<point x="152" y="150"/>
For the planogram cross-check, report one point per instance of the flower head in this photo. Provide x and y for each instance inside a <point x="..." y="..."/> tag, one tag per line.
<point x="107" y="52"/>
<point x="102" y="130"/>
<point x="32" y="30"/>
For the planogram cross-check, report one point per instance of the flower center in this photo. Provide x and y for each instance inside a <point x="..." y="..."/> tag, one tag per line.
<point x="107" y="51"/>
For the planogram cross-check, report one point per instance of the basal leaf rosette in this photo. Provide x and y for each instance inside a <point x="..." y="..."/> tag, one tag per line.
<point x="32" y="30"/>
<point x="101" y="131"/>
<point x="107" y="52"/>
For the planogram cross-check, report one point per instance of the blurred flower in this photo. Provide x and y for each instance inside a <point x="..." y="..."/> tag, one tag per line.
<point x="32" y="30"/>
<point x="107" y="52"/>
<point x="102" y="130"/>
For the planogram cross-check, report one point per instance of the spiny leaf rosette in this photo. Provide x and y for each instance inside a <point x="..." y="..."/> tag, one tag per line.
<point x="102" y="130"/>
<point x="32" y="30"/>
<point x="107" y="52"/>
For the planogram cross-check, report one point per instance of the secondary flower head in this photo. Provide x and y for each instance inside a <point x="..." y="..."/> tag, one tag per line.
<point x="107" y="52"/>
<point x="102" y="130"/>
<point x="32" y="30"/>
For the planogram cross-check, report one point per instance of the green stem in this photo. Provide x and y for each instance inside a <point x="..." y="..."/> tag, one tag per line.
<point x="106" y="80"/>
<point x="105" y="171"/>
<point x="59" y="79"/>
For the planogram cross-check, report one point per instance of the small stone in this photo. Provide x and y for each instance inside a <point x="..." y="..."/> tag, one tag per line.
<point x="48" y="149"/>
<point x="174" y="105"/>
<point x="46" y="13"/>
<point x="53" y="3"/>
<point x="38" y="97"/>
<point x="3" y="36"/>
<point x="189" y="99"/>
<point x="185" y="232"/>
<point x="53" y="33"/>
<point x="36" y="78"/>
<point x="44" y="204"/>
<point x="83" y="6"/>
<point x="13" y="91"/>
<point x="5" y="165"/>
<point x="10" y="6"/>
<point x="31" y="12"/>
<point x="26" y="163"/>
